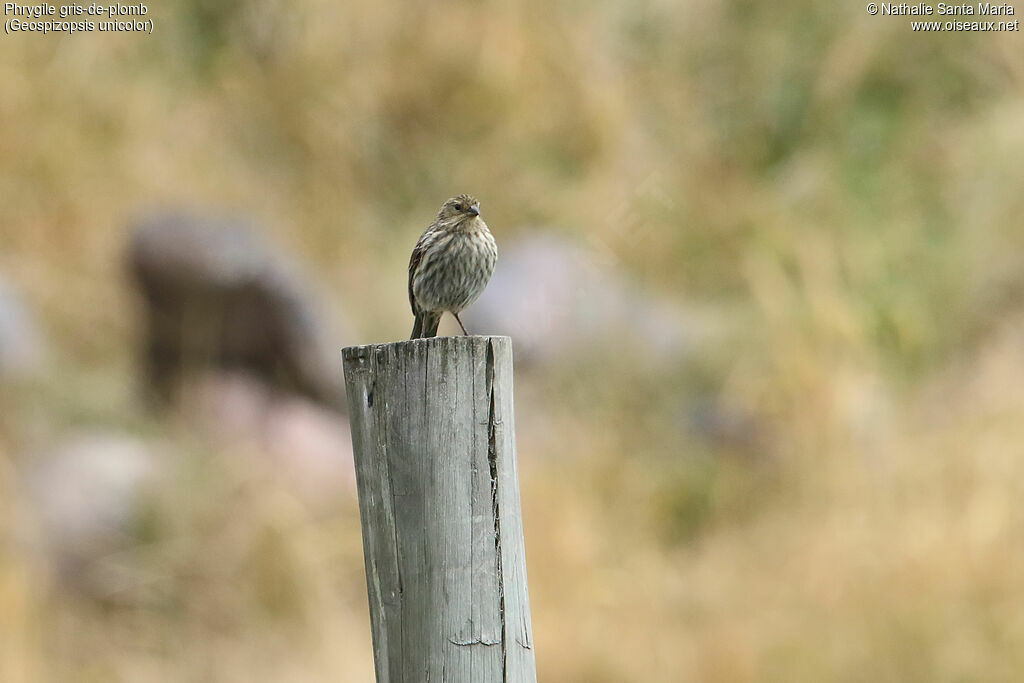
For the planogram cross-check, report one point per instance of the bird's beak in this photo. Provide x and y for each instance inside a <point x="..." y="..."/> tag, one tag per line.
<point x="475" y="210"/>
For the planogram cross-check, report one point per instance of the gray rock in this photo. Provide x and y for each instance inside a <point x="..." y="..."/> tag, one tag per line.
<point x="22" y="349"/>
<point x="555" y="298"/>
<point x="729" y="429"/>
<point x="307" y="444"/>
<point x="216" y="297"/>
<point x="85" y="493"/>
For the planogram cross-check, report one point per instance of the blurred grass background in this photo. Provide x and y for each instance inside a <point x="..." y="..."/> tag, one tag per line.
<point x="841" y="194"/>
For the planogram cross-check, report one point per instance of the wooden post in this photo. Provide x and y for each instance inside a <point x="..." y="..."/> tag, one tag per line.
<point x="435" y="454"/>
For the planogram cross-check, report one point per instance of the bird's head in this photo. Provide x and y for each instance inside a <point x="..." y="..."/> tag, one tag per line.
<point x="458" y="209"/>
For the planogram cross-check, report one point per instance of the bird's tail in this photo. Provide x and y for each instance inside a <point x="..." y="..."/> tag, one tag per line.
<point x="425" y="325"/>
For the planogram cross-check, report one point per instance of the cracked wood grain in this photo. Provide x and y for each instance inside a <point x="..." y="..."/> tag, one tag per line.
<point x="433" y="435"/>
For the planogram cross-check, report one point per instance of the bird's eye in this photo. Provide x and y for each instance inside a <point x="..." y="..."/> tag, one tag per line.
<point x="458" y="207"/>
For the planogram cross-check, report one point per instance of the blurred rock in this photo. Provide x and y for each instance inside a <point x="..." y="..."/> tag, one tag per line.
<point x="309" y="445"/>
<point x="216" y="297"/>
<point x="313" y="448"/>
<point x="86" y="492"/>
<point x="553" y="297"/>
<point x="729" y="429"/>
<point x="21" y="345"/>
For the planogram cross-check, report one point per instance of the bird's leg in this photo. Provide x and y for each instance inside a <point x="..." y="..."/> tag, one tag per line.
<point x="460" y="324"/>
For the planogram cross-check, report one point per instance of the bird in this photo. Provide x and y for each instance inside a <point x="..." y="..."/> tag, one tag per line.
<point x="450" y="265"/>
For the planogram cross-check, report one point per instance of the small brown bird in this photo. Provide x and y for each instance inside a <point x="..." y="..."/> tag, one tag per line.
<point x="450" y="265"/>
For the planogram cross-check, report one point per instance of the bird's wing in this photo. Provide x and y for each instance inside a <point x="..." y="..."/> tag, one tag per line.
<point x="414" y="264"/>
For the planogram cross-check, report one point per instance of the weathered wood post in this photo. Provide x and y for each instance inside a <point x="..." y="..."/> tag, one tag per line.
<point x="434" y="442"/>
